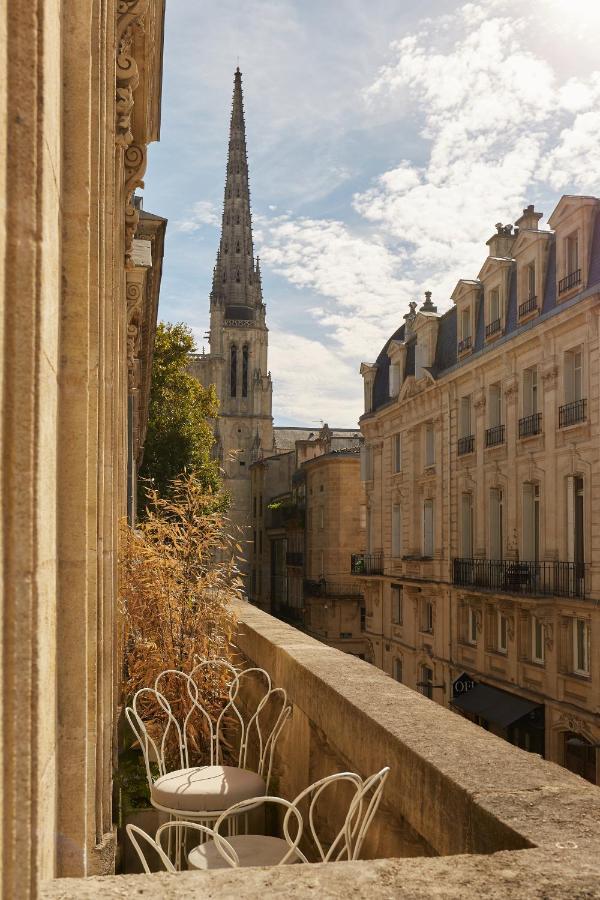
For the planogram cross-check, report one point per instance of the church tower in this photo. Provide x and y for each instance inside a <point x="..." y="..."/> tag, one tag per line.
<point x="237" y="362"/>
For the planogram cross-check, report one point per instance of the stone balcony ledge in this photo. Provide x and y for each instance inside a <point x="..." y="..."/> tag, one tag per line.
<point x="481" y="816"/>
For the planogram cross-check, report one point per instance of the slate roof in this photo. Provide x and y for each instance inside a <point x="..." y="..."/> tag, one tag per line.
<point x="284" y="437"/>
<point x="446" y="356"/>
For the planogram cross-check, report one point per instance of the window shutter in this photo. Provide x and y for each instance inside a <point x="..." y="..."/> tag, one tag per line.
<point x="527" y="393"/>
<point x="495" y="524"/>
<point x="571" y="518"/>
<point x="528" y="548"/>
<point x="569" y="378"/>
<point x="467" y="526"/>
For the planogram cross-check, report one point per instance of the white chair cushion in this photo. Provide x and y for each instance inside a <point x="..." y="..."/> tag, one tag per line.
<point x="206" y="788"/>
<point x="252" y="850"/>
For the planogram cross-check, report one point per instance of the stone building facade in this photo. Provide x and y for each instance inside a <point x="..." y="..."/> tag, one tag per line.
<point x="482" y="474"/>
<point x="308" y="514"/>
<point x="80" y="93"/>
<point x="237" y="363"/>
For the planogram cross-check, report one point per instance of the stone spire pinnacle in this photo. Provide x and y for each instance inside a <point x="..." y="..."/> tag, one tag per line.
<point x="236" y="280"/>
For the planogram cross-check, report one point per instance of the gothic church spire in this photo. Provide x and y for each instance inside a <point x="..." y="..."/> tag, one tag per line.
<point x="236" y="278"/>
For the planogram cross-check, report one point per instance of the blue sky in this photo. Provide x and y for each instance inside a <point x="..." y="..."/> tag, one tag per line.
<point x="385" y="140"/>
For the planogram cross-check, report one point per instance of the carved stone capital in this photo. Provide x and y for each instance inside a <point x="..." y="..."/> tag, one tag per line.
<point x="550" y="376"/>
<point x="479" y="400"/>
<point x="511" y="388"/>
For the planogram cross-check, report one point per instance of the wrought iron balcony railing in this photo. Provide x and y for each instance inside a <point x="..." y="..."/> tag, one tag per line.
<point x="530" y="425"/>
<point x="527" y="307"/>
<point x="366" y="564"/>
<point x="466" y="444"/>
<point x="324" y="588"/>
<point x="294" y="558"/>
<point x="492" y="328"/>
<point x="465" y="344"/>
<point x="569" y="281"/>
<point x="572" y="413"/>
<point x="547" y="579"/>
<point x="494" y="436"/>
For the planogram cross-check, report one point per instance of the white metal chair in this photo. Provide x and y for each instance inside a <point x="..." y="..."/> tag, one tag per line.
<point x="263" y="850"/>
<point x="136" y="833"/>
<point x="201" y="793"/>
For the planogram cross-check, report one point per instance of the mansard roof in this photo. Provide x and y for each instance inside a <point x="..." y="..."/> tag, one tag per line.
<point x="446" y="356"/>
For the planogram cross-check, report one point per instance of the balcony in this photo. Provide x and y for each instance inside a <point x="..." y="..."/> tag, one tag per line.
<point x="494" y="436"/>
<point x="455" y="790"/>
<point x="294" y="558"/>
<point x="529" y="306"/>
<point x="331" y="589"/>
<point x="366" y="564"/>
<point x="492" y="328"/>
<point x="572" y="413"/>
<point x="569" y="281"/>
<point x="466" y="445"/>
<point x="530" y="425"/>
<point x="536" y="579"/>
<point x="465" y="344"/>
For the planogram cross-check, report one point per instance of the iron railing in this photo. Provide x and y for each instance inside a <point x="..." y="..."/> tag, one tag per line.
<point x="494" y="435"/>
<point x="324" y="588"/>
<point x="527" y="307"/>
<point x="466" y="444"/>
<point x="465" y="344"/>
<point x="571" y="413"/>
<point x="366" y="564"/>
<point x="530" y="425"/>
<point x="294" y="558"/>
<point x="569" y="281"/>
<point x="492" y="328"/>
<point x="547" y="579"/>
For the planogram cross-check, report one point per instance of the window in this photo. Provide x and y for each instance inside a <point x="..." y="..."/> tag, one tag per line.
<point x="394" y="379"/>
<point x="397" y="599"/>
<point x="321" y="518"/>
<point x="465" y="324"/>
<point x="396" y="531"/>
<point x="426" y="682"/>
<point x="260" y="505"/>
<point x="575" y="520"/>
<point x="465" y="424"/>
<point x="495" y="405"/>
<point x="530" y="275"/>
<point x="429" y="445"/>
<point x="398" y="669"/>
<point x="502" y="637"/>
<point x="466" y="526"/>
<point x="472" y="626"/>
<point x="245" y="371"/>
<point x="581" y="647"/>
<point x="494" y="305"/>
<point x="537" y="640"/>
<point x="531" y="522"/>
<point x="369" y="530"/>
<point x="421" y="359"/>
<point x="368" y="391"/>
<point x="573" y="375"/>
<point x="530" y="391"/>
<point x="572" y="253"/>
<point x="427" y="616"/>
<point x="397" y="453"/>
<point x="496" y="524"/>
<point x="233" y="371"/>
<point x="254" y="506"/>
<point x="428" y="528"/>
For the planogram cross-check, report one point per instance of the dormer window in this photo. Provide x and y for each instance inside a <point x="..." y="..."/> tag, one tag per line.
<point x="572" y="265"/>
<point x="494" y="313"/>
<point x="466" y="340"/>
<point x="528" y="303"/>
<point x="394" y="383"/>
<point x="421" y="359"/>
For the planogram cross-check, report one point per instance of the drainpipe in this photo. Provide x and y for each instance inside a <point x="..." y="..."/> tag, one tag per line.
<point x="449" y="527"/>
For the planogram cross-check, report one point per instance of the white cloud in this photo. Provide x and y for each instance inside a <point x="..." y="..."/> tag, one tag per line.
<point x="202" y="213"/>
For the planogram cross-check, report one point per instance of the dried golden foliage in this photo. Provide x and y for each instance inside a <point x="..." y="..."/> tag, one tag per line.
<point x="178" y="576"/>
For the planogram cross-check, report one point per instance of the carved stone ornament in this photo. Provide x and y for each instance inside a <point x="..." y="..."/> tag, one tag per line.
<point x="135" y="297"/>
<point x="550" y="376"/>
<point x="480" y="400"/>
<point x="511" y="388"/>
<point x="573" y="723"/>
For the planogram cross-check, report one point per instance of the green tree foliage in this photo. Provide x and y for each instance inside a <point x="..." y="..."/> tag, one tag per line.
<point x="179" y="438"/>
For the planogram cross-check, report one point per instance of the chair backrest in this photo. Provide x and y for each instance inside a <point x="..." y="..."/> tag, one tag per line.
<point x="362" y="811"/>
<point x="257" y="720"/>
<point x="134" y="834"/>
<point x="347" y="841"/>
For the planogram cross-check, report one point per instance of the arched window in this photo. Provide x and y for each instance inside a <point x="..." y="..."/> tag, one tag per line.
<point x="245" y="371"/>
<point x="233" y="374"/>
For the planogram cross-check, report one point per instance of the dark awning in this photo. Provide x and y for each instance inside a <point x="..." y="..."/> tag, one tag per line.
<point x="494" y="705"/>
